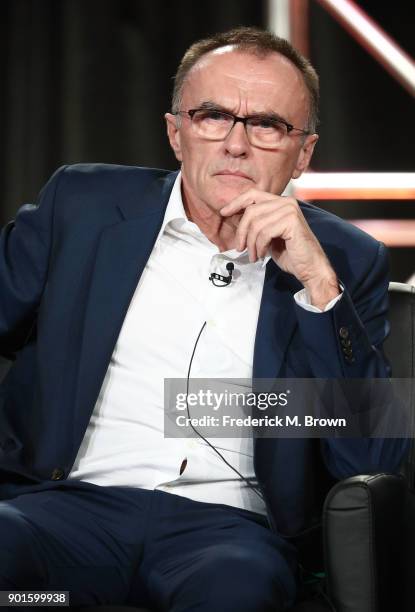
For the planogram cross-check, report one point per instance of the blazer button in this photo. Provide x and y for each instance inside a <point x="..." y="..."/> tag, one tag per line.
<point x="57" y="474"/>
<point x="343" y="332"/>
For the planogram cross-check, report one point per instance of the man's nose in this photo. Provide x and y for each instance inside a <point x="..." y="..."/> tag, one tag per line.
<point x="236" y="142"/>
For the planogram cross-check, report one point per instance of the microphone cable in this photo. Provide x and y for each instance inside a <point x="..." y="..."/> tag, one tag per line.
<point x="246" y="480"/>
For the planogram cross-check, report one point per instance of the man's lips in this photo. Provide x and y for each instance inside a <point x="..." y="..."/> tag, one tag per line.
<point x="235" y="173"/>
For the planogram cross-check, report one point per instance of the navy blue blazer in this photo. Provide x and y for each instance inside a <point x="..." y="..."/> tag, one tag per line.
<point x="68" y="269"/>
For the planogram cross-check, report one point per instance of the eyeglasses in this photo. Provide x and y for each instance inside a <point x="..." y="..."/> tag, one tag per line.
<point x="262" y="130"/>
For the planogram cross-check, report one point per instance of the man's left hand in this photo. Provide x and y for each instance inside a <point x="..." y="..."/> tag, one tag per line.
<point x="276" y="222"/>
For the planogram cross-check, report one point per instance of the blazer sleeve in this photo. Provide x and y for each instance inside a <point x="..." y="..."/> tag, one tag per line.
<point x="346" y="342"/>
<point x="25" y="245"/>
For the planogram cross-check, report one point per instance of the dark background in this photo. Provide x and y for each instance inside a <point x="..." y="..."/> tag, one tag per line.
<point x="90" y="80"/>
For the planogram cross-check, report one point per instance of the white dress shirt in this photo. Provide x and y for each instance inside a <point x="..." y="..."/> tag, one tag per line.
<point x="124" y="443"/>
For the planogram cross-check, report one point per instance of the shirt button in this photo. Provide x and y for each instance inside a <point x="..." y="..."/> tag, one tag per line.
<point x="57" y="474"/>
<point x="183" y="466"/>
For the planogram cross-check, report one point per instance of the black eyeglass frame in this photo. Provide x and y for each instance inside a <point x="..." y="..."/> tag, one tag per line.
<point x="243" y="120"/>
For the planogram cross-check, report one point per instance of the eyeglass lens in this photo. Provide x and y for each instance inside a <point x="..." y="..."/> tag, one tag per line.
<point x="216" y="125"/>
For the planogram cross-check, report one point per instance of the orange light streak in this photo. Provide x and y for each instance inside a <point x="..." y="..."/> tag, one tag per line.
<point x="355" y="186"/>
<point x="392" y="232"/>
<point x="371" y="36"/>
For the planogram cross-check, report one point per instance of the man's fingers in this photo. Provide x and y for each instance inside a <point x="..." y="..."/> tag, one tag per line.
<point x="253" y="218"/>
<point x="234" y="207"/>
<point x="248" y="198"/>
<point x="252" y="213"/>
<point x="263" y="232"/>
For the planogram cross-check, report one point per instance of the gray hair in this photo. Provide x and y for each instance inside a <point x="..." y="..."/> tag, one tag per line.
<point x="258" y="42"/>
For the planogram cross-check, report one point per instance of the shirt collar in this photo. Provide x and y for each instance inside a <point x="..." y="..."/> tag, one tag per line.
<point x="175" y="212"/>
<point x="175" y="209"/>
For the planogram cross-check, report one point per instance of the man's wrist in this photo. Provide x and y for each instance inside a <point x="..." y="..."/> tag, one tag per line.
<point x="323" y="290"/>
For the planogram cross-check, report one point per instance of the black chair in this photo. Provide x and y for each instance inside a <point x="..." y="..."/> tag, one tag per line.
<point x="368" y="523"/>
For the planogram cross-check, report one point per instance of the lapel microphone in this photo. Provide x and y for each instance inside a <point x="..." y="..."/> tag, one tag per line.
<point x="226" y="280"/>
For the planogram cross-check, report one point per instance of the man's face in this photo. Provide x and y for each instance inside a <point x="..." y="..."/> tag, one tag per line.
<point x="215" y="172"/>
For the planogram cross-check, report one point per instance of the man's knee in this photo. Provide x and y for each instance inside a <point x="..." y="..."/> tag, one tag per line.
<point x="20" y="565"/>
<point x="245" y="579"/>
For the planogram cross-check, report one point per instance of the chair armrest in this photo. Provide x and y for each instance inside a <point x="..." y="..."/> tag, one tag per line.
<point x="363" y="519"/>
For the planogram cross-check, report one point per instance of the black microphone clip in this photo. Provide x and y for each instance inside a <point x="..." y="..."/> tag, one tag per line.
<point x="226" y="280"/>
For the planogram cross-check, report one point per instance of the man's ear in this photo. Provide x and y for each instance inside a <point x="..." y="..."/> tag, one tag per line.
<point x="173" y="133"/>
<point x="305" y="155"/>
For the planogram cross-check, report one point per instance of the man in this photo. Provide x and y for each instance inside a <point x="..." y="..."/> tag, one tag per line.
<point x="106" y="292"/>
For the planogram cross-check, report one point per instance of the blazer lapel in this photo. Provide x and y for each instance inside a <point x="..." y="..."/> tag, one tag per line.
<point x="276" y="322"/>
<point x="122" y="254"/>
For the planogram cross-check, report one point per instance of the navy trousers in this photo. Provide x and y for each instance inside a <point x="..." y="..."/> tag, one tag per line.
<point x="119" y="545"/>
